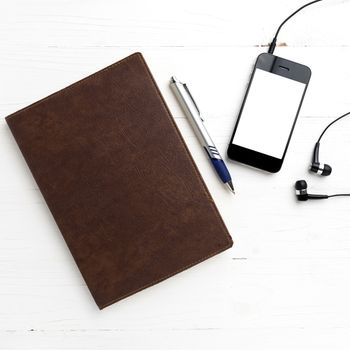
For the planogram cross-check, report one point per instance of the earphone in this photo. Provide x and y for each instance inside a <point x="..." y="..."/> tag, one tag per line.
<point x="302" y="195"/>
<point x="318" y="168"/>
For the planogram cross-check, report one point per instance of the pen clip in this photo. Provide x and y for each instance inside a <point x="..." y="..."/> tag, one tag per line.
<point x="193" y="101"/>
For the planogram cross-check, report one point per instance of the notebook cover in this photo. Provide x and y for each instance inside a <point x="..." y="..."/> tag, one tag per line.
<point x="119" y="180"/>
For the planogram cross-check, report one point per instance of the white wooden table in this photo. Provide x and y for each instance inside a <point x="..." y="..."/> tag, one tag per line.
<point x="286" y="283"/>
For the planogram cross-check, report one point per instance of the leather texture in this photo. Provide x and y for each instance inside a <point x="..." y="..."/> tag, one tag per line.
<point x="119" y="180"/>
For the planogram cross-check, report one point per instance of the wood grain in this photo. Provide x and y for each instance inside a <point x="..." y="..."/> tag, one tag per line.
<point x="286" y="282"/>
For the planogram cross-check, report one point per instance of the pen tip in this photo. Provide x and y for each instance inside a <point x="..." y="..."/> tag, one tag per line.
<point x="230" y="186"/>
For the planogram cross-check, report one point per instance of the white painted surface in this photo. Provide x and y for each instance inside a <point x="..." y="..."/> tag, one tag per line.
<point x="286" y="282"/>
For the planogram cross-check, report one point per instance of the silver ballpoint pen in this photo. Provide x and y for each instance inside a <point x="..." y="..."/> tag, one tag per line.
<point x="193" y="114"/>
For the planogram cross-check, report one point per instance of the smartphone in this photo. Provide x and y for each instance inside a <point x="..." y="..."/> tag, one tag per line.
<point x="269" y="112"/>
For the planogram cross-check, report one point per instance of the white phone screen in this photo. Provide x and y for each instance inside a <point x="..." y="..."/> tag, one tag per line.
<point x="269" y="113"/>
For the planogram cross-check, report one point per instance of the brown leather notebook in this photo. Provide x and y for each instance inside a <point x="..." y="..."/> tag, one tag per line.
<point x="119" y="180"/>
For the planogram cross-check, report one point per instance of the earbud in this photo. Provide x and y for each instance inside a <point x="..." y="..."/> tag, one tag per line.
<point x="301" y="192"/>
<point x="316" y="166"/>
<point x="321" y="169"/>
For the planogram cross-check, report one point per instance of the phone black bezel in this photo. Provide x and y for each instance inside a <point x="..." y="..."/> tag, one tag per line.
<point x="287" y="69"/>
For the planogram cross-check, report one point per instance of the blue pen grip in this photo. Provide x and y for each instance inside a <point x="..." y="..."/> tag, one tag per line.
<point x="221" y="169"/>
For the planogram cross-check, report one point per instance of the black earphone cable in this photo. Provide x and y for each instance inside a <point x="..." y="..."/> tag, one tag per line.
<point x="318" y="141"/>
<point x="315" y="157"/>
<point x="274" y="40"/>
<point x="330" y="124"/>
<point x="339" y="195"/>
